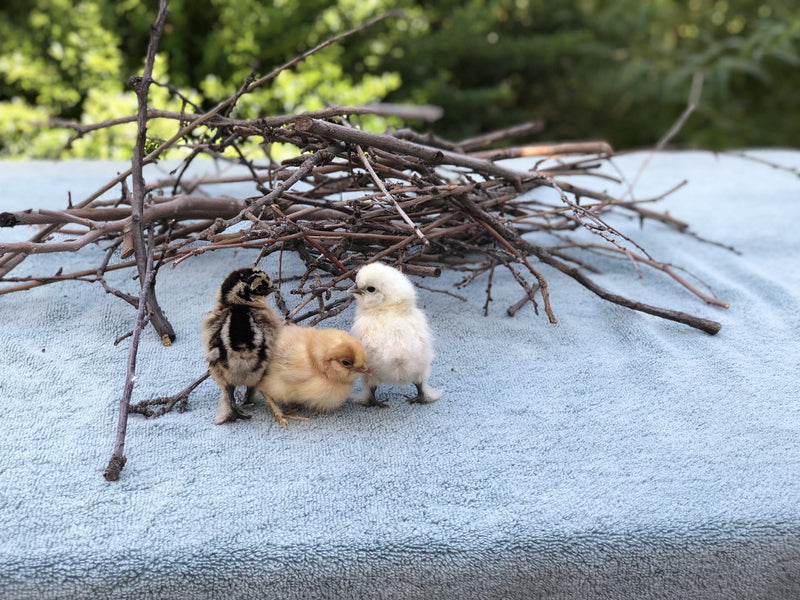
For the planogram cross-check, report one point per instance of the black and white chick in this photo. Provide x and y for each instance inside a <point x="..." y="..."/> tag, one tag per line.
<point x="394" y="332"/>
<point x="238" y="337"/>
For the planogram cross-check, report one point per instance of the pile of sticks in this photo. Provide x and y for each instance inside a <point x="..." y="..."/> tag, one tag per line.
<point x="349" y="197"/>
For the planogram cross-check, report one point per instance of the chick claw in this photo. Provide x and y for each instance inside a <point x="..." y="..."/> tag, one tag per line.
<point x="281" y="417"/>
<point x="371" y="400"/>
<point x="235" y="412"/>
<point x="421" y="397"/>
<point x="284" y="419"/>
<point x="375" y="402"/>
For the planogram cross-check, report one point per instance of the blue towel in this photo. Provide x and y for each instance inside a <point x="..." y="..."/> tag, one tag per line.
<point x="611" y="455"/>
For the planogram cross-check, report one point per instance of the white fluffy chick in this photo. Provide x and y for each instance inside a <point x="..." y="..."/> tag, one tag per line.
<point x="313" y="368"/>
<point x="394" y="333"/>
<point x="238" y="337"/>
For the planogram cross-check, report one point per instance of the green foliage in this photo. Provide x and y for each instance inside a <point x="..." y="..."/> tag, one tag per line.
<point x="614" y="69"/>
<point x="71" y="60"/>
<point x="620" y="70"/>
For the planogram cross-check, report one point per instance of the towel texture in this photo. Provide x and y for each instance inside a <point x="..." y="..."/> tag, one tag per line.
<point x="611" y="455"/>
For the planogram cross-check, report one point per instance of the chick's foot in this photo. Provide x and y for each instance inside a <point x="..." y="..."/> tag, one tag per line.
<point x="229" y="410"/>
<point x="281" y="417"/>
<point x="425" y="395"/>
<point x="238" y="413"/>
<point x="367" y="398"/>
<point x="373" y="401"/>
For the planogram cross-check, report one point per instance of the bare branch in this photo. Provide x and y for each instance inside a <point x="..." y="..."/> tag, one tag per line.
<point x="168" y="403"/>
<point x="118" y="459"/>
<point x="391" y="144"/>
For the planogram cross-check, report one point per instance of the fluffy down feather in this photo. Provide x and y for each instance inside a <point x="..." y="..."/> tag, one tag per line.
<point x="394" y="333"/>
<point x="238" y="336"/>
<point x="313" y="368"/>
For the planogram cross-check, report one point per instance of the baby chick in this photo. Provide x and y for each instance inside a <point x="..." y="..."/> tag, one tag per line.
<point x="394" y="333"/>
<point x="315" y="368"/>
<point x="238" y="337"/>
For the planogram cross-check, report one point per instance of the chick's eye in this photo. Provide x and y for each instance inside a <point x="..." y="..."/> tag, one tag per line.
<point x="346" y="363"/>
<point x="371" y="289"/>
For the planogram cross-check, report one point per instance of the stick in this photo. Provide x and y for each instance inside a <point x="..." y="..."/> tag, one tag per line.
<point x="520" y="130"/>
<point x="389" y="196"/>
<point x="694" y="99"/>
<point x="168" y="402"/>
<point x="423" y="112"/>
<point x="391" y="144"/>
<point x="546" y="150"/>
<point x="118" y="459"/>
<point x="710" y="327"/>
<point x="143" y="257"/>
<point x="486" y="221"/>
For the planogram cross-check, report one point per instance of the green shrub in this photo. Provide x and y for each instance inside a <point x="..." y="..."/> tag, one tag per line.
<point x="620" y="70"/>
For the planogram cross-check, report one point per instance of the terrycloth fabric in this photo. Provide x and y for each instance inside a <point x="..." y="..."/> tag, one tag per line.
<point x="612" y="455"/>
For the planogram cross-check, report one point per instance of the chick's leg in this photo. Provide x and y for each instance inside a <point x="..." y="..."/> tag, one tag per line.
<point x="281" y="417"/>
<point x="425" y="394"/>
<point x="224" y="411"/>
<point x="228" y="410"/>
<point x="367" y="397"/>
<point x="250" y="396"/>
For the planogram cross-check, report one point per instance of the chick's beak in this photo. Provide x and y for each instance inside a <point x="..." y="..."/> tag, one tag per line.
<point x="354" y="290"/>
<point x="364" y="371"/>
<point x="265" y="290"/>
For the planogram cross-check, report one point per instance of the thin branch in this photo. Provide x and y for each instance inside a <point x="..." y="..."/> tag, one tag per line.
<point x="549" y="150"/>
<point x="355" y="136"/>
<point x="389" y="196"/>
<point x="167" y="403"/>
<point x="493" y="137"/>
<point x="707" y="325"/>
<point x="142" y="86"/>
<point x="694" y="99"/>
<point x="118" y="459"/>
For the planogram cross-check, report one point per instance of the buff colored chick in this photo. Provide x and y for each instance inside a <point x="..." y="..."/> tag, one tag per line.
<point x="238" y="337"/>
<point x="394" y="332"/>
<point x="313" y="368"/>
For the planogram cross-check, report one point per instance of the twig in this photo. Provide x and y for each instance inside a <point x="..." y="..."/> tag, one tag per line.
<point x="488" y="291"/>
<point x="487" y="139"/>
<point x="355" y="136"/>
<point x="389" y="196"/>
<point x="143" y="257"/>
<point x="300" y="173"/>
<point x="549" y="150"/>
<point x="706" y="325"/>
<point x="514" y="308"/>
<point x="694" y="99"/>
<point x="486" y="221"/>
<point x="445" y="292"/>
<point x="763" y="161"/>
<point x="118" y="459"/>
<point x="167" y="403"/>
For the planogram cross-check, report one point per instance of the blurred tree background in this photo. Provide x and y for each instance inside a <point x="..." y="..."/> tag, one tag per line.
<point x="619" y="70"/>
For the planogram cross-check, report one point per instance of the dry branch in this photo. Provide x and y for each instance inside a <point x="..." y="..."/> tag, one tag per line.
<point x="137" y="224"/>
